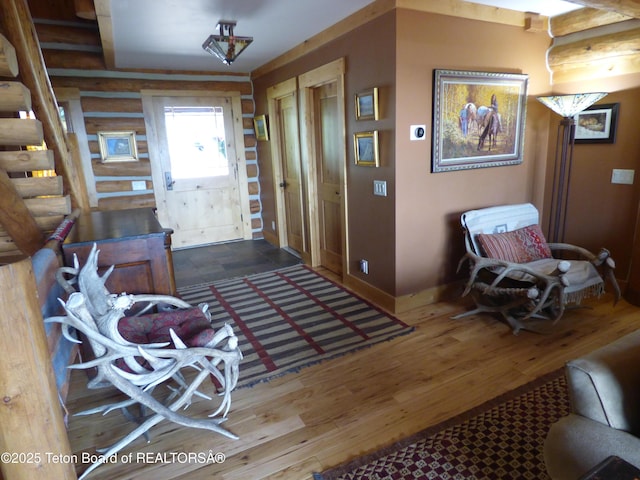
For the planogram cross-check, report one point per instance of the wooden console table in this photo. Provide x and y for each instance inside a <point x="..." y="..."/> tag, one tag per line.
<point x="134" y="241"/>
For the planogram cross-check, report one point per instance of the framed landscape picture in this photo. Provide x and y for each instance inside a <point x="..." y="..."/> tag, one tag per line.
<point x="597" y="124"/>
<point x="261" y="128"/>
<point x="366" y="149"/>
<point x="367" y="105"/>
<point x="478" y="119"/>
<point x="117" y="146"/>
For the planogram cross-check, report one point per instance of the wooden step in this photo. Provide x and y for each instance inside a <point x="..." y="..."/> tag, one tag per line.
<point x="47" y="207"/>
<point x="20" y="131"/>
<point x="38" y="186"/>
<point x="50" y="223"/>
<point x="14" y="97"/>
<point x="26" y="160"/>
<point x="8" y="59"/>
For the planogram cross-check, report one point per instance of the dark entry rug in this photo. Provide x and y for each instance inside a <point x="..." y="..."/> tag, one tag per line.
<point x="501" y="439"/>
<point x="291" y="318"/>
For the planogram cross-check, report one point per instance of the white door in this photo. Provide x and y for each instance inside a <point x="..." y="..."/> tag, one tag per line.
<point x="195" y="169"/>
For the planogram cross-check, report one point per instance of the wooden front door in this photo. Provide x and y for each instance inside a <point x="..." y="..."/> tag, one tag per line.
<point x="194" y="157"/>
<point x="291" y="183"/>
<point x="329" y="166"/>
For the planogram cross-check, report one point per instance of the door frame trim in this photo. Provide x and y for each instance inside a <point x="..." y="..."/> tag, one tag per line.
<point x="328" y="73"/>
<point x="274" y="94"/>
<point x="238" y="139"/>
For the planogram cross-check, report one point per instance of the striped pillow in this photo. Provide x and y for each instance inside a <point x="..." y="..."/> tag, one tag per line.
<point x="518" y="246"/>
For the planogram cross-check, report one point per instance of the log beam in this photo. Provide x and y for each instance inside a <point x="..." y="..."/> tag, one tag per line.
<point x="608" y="67"/>
<point x="583" y="19"/>
<point x="586" y="51"/>
<point x="18" y="26"/>
<point x="31" y="418"/>
<point x="625" y="7"/>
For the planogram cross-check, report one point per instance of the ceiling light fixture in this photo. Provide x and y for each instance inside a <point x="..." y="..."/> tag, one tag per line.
<point x="226" y="46"/>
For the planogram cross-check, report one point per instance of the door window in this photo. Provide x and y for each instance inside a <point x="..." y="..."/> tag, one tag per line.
<point x="197" y="143"/>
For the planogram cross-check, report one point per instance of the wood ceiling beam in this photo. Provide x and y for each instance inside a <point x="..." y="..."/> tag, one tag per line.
<point x="105" y="25"/>
<point x="583" y="19"/>
<point x="630" y="8"/>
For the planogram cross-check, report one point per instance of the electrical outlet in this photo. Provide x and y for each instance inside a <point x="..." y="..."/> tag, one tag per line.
<point x="364" y="266"/>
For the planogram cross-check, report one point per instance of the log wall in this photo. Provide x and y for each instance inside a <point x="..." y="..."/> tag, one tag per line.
<point x="590" y="43"/>
<point x="111" y="101"/>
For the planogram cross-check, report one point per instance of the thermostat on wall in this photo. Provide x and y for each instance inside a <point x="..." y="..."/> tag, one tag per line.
<point x="417" y="132"/>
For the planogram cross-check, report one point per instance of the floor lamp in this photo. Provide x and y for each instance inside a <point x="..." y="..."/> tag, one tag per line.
<point x="567" y="106"/>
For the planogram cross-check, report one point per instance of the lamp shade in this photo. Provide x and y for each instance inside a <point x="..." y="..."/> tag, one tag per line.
<point x="227" y="46"/>
<point x="571" y="105"/>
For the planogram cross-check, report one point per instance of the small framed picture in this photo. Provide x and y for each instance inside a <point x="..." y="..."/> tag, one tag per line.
<point x="261" y="127"/>
<point x="365" y="145"/>
<point x="597" y="124"/>
<point x="118" y="147"/>
<point x="367" y="105"/>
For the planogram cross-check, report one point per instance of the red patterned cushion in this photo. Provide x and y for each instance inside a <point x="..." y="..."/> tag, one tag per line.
<point x="519" y="246"/>
<point x="191" y="325"/>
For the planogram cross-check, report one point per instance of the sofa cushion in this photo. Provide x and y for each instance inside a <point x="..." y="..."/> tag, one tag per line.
<point x="522" y="245"/>
<point x="604" y="385"/>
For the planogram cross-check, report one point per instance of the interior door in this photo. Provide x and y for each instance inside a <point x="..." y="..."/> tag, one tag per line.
<point x="291" y="183"/>
<point x="329" y="166"/>
<point x="200" y="196"/>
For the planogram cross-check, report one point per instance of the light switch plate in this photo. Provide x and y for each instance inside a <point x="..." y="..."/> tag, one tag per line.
<point x="624" y="176"/>
<point x="380" y="188"/>
<point x="138" y="185"/>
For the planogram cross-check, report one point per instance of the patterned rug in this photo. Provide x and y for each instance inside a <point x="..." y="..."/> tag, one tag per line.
<point x="291" y="318"/>
<point x="501" y="439"/>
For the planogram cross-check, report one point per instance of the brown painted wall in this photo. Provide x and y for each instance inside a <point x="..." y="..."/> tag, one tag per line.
<point x="603" y="214"/>
<point x="411" y="237"/>
<point x="428" y="205"/>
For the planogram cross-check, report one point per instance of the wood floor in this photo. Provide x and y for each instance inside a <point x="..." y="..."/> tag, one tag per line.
<point x="346" y="407"/>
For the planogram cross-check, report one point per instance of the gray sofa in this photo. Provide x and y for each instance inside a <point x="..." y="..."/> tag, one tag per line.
<point x="604" y="389"/>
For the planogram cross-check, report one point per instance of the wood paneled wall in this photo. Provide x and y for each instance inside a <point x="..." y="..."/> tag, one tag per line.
<point x="111" y="101"/>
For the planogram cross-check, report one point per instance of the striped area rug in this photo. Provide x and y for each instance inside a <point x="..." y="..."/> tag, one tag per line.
<point x="291" y="318"/>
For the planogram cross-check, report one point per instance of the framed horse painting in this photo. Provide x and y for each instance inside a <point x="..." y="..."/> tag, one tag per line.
<point x="478" y="119"/>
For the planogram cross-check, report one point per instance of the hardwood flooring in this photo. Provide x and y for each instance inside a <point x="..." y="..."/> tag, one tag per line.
<point x="334" y="411"/>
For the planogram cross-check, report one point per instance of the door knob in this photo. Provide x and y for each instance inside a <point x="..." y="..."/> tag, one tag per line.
<point x="283" y="184"/>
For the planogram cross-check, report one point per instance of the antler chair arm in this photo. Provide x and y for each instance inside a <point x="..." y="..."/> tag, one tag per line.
<point x="567" y="247"/>
<point x="503" y="269"/>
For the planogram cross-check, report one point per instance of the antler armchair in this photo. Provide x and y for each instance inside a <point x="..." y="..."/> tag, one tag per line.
<point x="137" y="353"/>
<point x="515" y="272"/>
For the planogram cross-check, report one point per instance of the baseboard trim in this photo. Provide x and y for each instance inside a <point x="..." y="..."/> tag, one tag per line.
<point x="406" y="302"/>
<point x="271" y="237"/>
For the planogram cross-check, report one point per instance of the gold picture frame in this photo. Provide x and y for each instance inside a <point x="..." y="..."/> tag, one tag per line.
<point x="367" y="104"/>
<point x="261" y="127"/>
<point x="365" y="145"/>
<point x="118" y="147"/>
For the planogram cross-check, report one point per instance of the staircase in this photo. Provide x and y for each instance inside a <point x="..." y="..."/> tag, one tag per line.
<point x="32" y="199"/>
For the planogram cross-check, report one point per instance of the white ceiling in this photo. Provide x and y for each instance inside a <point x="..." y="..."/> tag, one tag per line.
<point x="168" y="34"/>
